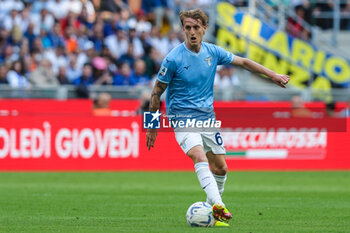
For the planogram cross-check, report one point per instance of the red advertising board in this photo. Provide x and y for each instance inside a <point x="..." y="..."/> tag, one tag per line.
<point x="46" y="135"/>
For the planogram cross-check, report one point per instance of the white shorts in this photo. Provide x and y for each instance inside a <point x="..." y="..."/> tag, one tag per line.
<point x="210" y="141"/>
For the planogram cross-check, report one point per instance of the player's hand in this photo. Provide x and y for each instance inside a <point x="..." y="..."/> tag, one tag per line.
<point x="280" y="79"/>
<point x="151" y="136"/>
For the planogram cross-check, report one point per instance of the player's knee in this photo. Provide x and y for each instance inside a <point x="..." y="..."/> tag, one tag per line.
<point x="197" y="156"/>
<point x="220" y="170"/>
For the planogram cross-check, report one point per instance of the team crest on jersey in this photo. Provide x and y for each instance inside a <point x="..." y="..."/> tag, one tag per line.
<point x="209" y="60"/>
<point x="163" y="71"/>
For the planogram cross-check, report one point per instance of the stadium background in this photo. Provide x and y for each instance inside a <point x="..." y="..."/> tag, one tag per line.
<point x="57" y="57"/>
<point x="75" y="77"/>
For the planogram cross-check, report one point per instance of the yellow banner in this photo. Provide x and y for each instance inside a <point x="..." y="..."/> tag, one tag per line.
<point x="307" y="65"/>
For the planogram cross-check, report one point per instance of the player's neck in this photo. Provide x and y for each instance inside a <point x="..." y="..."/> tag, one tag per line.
<point x="194" y="48"/>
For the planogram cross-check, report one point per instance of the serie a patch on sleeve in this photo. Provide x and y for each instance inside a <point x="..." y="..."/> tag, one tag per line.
<point x="163" y="71"/>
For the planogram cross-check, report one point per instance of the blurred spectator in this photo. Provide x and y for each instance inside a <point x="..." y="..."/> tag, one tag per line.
<point x="160" y="9"/>
<point x="3" y="74"/>
<point x="72" y="71"/>
<point x="97" y="37"/>
<point x="152" y="61"/>
<point x="45" y="40"/>
<point x="296" y="26"/>
<point x="142" y="25"/>
<point x="59" y="8"/>
<point x="85" y="80"/>
<point x="29" y="64"/>
<point x="117" y="43"/>
<point x="37" y="6"/>
<point x="26" y="18"/>
<point x="57" y="58"/>
<point x="7" y="5"/>
<point x="87" y="15"/>
<point x="24" y="49"/>
<point x="34" y="60"/>
<point x="298" y="108"/>
<point x="16" y="77"/>
<point x="71" y="40"/>
<point x="71" y="20"/>
<point x="226" y="78"/>
<point x="158" y="42"/>
<point x="74" y="6"/>
<point x="38" y="46"/>
<point x="14" y="18"/>
<point x="138" y="50"/>
<point x="62" y="76"/>
<point x="101" y="72"/>
<point x="71" y="33"/>
<point x="86" y="55"/>
<point x="97" y="4"/>
<point x="173" y="40"/>
<point x="44" y="20"/>
<point x="3" y="40"/>
<point x="82" y="36"/>
<point x="125" y="76"/>
<point x="110" y="24"/>
<point x="29" y="34"/>
<point x="43" y="76"/>
<point x="308" y="6"/>
<point x="128" y="56"/>
<point x="125" y="20"/>
<point x="145" y="42"/>
<point x="9" y="55"/>
<point x="101" y="105"/>
<point x="111" y="65"/>
<point x="56" y="37"/>
<point x="16" y="36"/>
<point x="140" y="73"/>
<point x="113" y="5"/>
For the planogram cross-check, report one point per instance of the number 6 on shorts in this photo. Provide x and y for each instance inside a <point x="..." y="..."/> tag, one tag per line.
<point x="218" y="139"/>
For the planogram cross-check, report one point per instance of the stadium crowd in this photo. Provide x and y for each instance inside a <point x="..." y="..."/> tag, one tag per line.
<point x="82" y="42"/>
<point x="93" y="42"/>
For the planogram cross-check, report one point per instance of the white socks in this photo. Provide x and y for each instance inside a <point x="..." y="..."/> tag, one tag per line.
<point x="208" y="183"/>
<point x="220" y="180"/>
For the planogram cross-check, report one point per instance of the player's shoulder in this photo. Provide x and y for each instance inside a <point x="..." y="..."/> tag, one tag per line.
<point x="211" y="48"/>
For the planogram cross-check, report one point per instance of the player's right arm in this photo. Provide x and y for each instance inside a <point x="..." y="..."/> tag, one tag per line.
<point x="226" y="57"/>
<point x="280" y="79"/>
<point x="164" y="77"/>
<point x="158" y="90"/>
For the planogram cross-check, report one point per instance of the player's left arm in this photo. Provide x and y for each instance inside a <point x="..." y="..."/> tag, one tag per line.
<point x="279" y="79"/>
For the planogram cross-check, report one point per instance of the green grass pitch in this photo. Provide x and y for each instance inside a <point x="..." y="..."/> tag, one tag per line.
<point x="271" y="202"/>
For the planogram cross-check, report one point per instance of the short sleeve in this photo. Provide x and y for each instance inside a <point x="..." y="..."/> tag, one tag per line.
<point x="166" y="71"/>
<point x="224" y="56"/>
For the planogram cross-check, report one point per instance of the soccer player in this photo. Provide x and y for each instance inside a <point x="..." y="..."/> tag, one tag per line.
<point x="188" y="72"/>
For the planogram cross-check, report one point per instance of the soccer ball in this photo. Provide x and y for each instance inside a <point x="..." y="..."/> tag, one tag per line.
<point x="200" y="214"/>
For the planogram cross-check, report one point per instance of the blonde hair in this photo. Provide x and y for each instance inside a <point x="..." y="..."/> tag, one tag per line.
<point x="194" y="14"/>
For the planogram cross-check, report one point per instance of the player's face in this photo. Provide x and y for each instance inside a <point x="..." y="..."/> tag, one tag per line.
<point x="194" y="31"/>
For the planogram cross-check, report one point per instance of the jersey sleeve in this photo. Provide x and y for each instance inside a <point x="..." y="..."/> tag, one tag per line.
<point x="224" y="56"/>
<point x="166" y="71"/>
